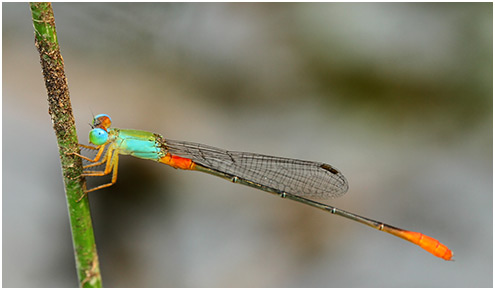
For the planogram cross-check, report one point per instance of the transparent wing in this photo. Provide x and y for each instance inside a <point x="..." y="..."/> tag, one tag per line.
<point x="298" y="177"/>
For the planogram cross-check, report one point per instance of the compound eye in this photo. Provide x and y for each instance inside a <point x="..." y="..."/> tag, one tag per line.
<point x="102" y="121"/>
<point x="98" y="136"/>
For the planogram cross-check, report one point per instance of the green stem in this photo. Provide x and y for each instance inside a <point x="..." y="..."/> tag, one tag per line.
<point x="60" y="110"/>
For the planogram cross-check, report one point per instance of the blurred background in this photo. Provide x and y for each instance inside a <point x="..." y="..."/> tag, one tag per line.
<point x="396" y="96"/>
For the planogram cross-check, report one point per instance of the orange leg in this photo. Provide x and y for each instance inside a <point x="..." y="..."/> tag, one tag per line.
<point x="100" y="149"/>
<point x="112" y="160"/>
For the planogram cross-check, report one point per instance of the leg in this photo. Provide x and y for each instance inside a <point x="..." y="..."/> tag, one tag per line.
<point x="89" y="147"/>
<point x="108" y="159"/>
<point x="112" y="165"/>
<point x="100" y="149"/>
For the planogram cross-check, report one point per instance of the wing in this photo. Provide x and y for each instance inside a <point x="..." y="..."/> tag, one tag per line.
<point x="298" y="177"/>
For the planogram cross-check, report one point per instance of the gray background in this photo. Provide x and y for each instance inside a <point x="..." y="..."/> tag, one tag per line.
<point x="397" y="96"/>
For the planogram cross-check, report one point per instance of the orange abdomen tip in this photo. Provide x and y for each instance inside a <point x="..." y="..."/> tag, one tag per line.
<point x="428" y="243"/>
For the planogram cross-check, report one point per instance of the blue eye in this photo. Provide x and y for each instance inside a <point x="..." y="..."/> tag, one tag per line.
<point x="98" y="136"/>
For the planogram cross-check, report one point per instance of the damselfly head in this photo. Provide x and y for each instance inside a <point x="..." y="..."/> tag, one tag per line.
<point x="102" y="121"/>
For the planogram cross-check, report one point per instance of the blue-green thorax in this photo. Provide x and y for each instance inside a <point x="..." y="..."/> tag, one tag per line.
<point x="137" y="143"/>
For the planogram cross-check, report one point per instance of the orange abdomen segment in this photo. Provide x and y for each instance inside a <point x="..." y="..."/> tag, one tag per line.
<point x="177" y="162"/>
<point x="428" y="243"/>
